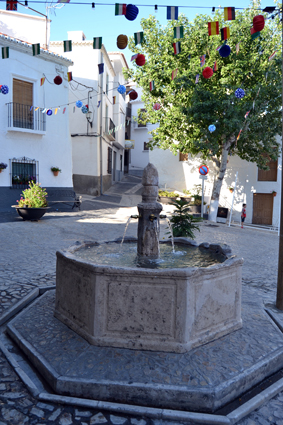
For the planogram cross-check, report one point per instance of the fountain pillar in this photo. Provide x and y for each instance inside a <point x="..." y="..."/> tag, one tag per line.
<point x="149" y="210"/>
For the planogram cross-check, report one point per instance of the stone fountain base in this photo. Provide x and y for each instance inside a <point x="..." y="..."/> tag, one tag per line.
<point x="203" y="379"/>
<point x="143" y="309"/>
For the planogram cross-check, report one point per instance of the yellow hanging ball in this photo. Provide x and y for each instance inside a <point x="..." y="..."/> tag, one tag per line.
<point x="122" y="41"/>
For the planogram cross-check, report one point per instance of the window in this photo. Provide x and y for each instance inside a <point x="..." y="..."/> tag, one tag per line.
<point x="106" y="119"/>
<point x="107" y="83"/>
<point x="145" y="146"/>
<point x="22" y="102"/>
<point x="23" y="170"/>
<point x="268" y="175"/>
<point x="183" y="156"/>
<point x="109" y="161"/>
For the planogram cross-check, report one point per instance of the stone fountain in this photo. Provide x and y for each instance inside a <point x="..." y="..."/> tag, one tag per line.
<point x="170" y="310"/>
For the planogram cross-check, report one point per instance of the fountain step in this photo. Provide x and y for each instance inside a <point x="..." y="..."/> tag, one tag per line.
<point x="204" y="379"/>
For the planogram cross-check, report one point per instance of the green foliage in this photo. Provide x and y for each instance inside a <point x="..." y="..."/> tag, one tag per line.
<point x="55" y="169"/>
<point x="188" y="108"/>
<point x="167" y="194"/>
<point x="183" y="223"/>
<point x="33" y="197"/>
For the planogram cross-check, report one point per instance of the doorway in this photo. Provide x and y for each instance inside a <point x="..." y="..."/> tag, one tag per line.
<point x="262" y="208"/>
<point x="114" y="166"/>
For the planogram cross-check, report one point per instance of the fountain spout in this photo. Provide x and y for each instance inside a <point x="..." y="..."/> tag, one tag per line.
<point x="149" y="210"/>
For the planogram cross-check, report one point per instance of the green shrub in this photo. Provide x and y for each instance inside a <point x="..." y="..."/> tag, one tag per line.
<point x="167" y="194"/>
<point x="183" y="223"/>
<point x="33" y="197"/>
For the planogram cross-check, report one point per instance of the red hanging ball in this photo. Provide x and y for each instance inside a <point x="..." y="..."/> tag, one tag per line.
<point x="133" y="95"/>
<point x="156" y="106"/>
<point x="58" y="80"/>
<point x="258" y="23"/>
<point x="140" y="60"/>
<point x="207" y="72"/>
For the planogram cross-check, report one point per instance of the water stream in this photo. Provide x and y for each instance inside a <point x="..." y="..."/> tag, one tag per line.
<point x="127" y="224"/>
<point x="156" y="230"/>
<point x="172" y="237"/>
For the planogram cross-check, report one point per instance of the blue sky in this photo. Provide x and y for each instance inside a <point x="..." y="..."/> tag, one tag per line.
<point x="102" y="22"/>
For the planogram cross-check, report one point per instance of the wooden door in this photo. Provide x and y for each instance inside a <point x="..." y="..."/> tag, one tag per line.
<point x="262" y="208"/>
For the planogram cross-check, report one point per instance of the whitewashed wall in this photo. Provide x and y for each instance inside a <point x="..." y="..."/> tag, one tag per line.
<point x="50" y="148"/>
<point x="33" y="29"/>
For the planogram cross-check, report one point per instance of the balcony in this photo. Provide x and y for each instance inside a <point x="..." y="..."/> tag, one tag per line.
<point x="26" y="118"/>
<point x="109" y="128"/>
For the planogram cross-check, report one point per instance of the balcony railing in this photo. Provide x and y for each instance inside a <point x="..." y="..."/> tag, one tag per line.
<point x="26" y="116"/>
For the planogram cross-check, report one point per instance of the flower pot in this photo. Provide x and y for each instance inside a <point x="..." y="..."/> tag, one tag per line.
<point x="195" y="209"/>
<point x="1" y="169"/>
<point x="231" y="190"/>
<point x="55" y="173"/>
<point x="32" y="214"/>
<point x="274" y="193"/>
<point x="166" y="199"/>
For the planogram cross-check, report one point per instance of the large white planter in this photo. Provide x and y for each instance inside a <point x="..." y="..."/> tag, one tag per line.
<point x="161" y="310"/>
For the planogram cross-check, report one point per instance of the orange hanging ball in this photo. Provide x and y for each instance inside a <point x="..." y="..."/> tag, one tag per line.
<point x="207" y="72"/>
<point x="140" y="60"/>
<point x="258" y="23"/>
<point x="122" y="41"/>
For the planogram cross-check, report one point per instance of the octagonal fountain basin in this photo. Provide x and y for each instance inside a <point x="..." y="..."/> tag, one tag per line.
<point x="143" y="306"/>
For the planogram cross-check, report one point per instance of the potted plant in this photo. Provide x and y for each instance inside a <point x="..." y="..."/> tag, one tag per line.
<point x="187" y="196"/>
<point x="32" y="204"/>
<point x="183" y="223"/>
<point x="2" y="166"/>
<point x="165" y="197"/>
<point x="231" y="189"/>
<point x="56" y="170"/>
<point x="274" y="193"/>
<point x="195" y="206"/>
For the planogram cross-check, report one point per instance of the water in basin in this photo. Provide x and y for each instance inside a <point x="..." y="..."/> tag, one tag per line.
<point x="112" y="254"/>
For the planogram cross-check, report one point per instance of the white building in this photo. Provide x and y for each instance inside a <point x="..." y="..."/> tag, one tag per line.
<point x="32" y="141"/>
<point x="181" y="172"/>
<point x="98" y="137"/>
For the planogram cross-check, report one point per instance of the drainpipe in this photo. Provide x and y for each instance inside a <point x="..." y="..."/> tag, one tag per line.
<point x="101" y="127"/>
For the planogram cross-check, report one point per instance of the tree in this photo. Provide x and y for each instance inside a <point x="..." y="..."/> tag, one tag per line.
<point x="189" y="108"/>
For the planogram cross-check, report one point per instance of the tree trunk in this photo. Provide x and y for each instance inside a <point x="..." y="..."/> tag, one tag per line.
<point x="214" y="202"/>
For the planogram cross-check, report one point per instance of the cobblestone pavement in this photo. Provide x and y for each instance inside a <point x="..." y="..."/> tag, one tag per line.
<point x="27" y="261"/>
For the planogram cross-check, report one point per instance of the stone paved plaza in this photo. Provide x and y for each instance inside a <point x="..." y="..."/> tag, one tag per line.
<point x="27" y="261"/>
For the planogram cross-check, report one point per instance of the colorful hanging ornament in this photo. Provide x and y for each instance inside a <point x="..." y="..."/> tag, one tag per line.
<point x="258" y="23"/>
<point x="138" y="37"/>
<point x="207" y="72"/>
<point x="131" y="12"/>
<point x="156" y="106"/>
<point x="84" y="109"/>
<point x="229" y="13"/>
<point x="133" y="95"/>
<point x="121" y="89"/>
<point x="212" y="128"/>
<point x="122" y="41"/>
<point x="58" y="80"/>
<point x="49" y="112"/>
<point x="240" y="93"/>
<point x="79" y="103"/>
<point x="120" y="9"/>
<point x="172" y="12"/>
<point x="225" y="33"/>
<point x="4" y="89"/>
<point x="151" y="86"/>
<point x="225" y="51"/>
<point x="140" y="60"/>
<point x="177" y="47"/>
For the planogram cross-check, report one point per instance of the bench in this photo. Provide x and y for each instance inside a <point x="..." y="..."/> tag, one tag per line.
<point x="66" y="197"/>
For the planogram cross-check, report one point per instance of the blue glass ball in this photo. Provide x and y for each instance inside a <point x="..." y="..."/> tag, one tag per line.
<point x="121" y="89"/>
<point x="79" y="103"/>
<point x="49" y="112"/>
<point x="212" y="128"/>
<point x="84" y="109"/>
<point x="4" y="89"/>
<point x="240" y="93"/>
<point x="131" y="12"/>
<point x="225" y="51"/>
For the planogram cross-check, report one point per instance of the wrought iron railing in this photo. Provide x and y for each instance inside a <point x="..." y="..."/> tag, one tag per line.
<point x="26" y="116"/>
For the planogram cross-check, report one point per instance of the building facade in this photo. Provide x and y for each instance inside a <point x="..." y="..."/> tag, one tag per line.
<point x="98" y="137"/>
<point x="32" y="141"/>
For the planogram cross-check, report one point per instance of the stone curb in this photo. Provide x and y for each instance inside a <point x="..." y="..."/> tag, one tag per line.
<point x="15" y="308"/>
